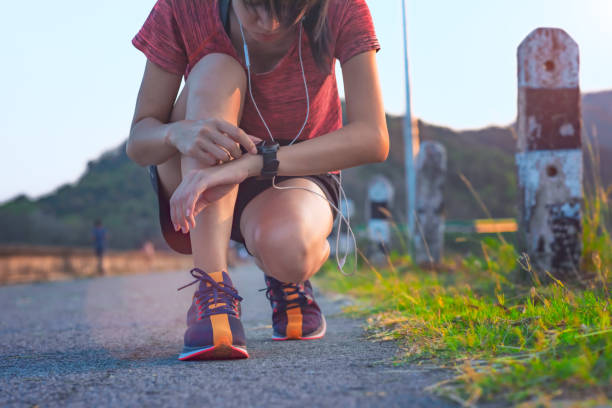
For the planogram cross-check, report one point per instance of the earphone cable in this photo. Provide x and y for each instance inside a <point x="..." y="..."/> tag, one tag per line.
<point x="248" y="65"/>
<point x="342" y="193"/>
<point x="305" y="87"/>
<point x="346" y="220"/>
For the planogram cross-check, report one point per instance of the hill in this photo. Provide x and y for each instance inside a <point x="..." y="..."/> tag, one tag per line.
<point x="118" y="191"/>
<point x="112" y="188"/>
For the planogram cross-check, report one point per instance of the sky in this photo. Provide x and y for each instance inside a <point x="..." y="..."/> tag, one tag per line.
<point x="69" y="74"/>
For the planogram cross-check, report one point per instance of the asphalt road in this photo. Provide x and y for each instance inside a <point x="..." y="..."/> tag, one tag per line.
<point x="115" y="341"/>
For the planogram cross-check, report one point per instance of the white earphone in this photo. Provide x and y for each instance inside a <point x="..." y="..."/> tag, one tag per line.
<point x="339" y="180"/>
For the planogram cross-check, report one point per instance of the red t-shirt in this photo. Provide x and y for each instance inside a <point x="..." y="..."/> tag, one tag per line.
<point x="178" y="33"/>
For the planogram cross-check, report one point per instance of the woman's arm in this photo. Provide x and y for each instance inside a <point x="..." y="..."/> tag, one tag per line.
<point x="364" y="139"/>
<point x="153" y="140"/>
<point x="147" y="143"/>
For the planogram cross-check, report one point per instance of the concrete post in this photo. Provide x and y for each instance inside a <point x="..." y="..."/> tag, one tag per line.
<point x="549" y="157"/>
<point x="378" y="201"/>
<point x="429" y="229"/>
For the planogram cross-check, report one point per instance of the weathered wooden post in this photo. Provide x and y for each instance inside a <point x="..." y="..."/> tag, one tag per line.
<point x="429" y="229"/>
<point x="378" y="201"/>
<point x="549" y="157"/>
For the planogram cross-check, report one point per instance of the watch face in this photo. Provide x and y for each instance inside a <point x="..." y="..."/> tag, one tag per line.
<point x="264" y="147"/>
<point x="269" y="148"/>
<point x="270" y="162"/>
<point x="260" y="146"/>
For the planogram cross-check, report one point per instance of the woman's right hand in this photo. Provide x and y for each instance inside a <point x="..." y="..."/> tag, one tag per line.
<point x="210" y="141"/>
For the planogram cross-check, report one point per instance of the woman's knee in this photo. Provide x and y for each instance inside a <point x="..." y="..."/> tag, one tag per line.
<point x="289" y="253"/>
<point x="216" y="87"/>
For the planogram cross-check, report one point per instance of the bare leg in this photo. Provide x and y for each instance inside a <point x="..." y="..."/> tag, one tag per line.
<point x="286" y="230"/>
<point x="214" y="89"/>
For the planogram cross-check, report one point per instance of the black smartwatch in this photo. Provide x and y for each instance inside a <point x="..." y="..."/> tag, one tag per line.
<point x="270" y="163"/>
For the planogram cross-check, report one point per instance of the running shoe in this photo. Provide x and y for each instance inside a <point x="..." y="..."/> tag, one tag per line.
<point x="295" y="314"/>
<point x="214" y="330"/>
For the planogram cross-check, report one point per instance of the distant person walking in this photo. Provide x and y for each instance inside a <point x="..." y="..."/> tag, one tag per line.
<point x="99" y="239"/>
<point x="148" y="249"/>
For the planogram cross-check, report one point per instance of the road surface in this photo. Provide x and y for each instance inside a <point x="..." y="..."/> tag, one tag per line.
<point x="114" y="341"/>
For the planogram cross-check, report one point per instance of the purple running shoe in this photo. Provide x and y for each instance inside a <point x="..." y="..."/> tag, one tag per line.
<point x="295" y="314"/>
<point x="214" y="330"/>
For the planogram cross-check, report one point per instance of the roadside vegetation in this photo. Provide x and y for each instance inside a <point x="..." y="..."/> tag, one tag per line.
<point x="511" y="335"/>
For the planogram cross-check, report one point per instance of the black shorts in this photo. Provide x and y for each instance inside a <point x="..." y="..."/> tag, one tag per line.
<point x="247" y="190"/>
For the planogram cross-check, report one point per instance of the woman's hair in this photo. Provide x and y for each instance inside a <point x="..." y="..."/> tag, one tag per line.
<point x="315" y="23"/>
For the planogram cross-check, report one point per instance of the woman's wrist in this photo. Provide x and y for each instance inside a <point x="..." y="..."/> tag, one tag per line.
<point x="249" y="165"/>
<point x="169" y="135"/>
<point x="253" y="164"/>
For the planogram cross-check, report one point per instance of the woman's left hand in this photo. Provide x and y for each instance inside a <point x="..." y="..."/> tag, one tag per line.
<point x="201" y="187"/>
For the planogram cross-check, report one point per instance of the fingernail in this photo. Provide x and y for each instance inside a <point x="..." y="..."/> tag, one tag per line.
<point x="187" y="213"/>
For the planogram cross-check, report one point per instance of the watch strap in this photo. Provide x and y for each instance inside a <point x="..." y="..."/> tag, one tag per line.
<point x="270" y="162"/>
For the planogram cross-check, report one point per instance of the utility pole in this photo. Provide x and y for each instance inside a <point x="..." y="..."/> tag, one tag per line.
<point x="408" y="142"/>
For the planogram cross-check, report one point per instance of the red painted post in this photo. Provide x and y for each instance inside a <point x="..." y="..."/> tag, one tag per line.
<point x="549" y="157"/>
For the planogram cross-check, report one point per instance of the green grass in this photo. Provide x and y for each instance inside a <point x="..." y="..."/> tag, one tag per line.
<point x="510" y="339"/>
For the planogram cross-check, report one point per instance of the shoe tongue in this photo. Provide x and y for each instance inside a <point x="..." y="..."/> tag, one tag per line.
<point x="221" y="277"/>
